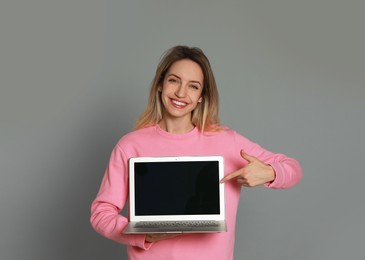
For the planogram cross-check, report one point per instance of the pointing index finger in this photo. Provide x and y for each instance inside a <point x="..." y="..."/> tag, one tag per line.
<point x="230" y="176"/>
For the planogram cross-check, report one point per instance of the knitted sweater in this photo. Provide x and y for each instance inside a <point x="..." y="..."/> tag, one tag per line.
<point x="153" y="141"/>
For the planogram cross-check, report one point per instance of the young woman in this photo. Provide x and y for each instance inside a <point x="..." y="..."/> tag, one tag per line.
<point x="181" y="119"/>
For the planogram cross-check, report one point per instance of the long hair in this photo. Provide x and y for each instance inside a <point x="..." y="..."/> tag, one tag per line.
<point x="205" y="115"/>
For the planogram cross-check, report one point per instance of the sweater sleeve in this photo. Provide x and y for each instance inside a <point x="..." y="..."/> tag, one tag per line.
<point x="288" y="171"/>
<point x="110" y="200"/>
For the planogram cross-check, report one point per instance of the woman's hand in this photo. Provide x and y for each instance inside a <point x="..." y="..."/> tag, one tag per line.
<point x="160" y="236"/>
<point x="253" y="174"/>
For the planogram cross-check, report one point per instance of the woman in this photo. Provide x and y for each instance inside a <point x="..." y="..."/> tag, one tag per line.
<point x="181" y="119"/>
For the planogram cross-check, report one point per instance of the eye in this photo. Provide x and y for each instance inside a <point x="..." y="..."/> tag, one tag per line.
<point x="194" y="86"/>
<point x="172" y="80"/>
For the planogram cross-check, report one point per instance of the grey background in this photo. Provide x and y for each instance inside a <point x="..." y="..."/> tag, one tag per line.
<point x="75" y="75"/>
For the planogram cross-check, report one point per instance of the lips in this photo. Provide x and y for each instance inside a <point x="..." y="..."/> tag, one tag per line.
<point x="178" y="104"/>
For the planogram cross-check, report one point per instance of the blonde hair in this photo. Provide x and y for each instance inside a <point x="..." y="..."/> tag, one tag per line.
<point x="205" y="115"/>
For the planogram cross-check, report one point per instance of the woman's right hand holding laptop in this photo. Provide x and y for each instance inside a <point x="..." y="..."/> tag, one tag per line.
<point x="160" y="236"/>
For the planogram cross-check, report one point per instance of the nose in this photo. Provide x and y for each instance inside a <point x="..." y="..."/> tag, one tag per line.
<point x="181" y="91"/>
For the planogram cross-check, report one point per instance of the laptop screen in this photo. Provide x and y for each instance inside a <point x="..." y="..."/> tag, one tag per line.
<point x="176" y="188"/>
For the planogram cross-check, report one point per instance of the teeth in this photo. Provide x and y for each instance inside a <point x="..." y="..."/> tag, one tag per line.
<point x="178" y="103"/>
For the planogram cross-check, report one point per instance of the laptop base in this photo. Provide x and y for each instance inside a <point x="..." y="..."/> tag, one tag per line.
<point x="136" y="228"/>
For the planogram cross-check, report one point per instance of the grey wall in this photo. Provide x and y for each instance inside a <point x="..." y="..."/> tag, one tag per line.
<point x="75" y="74"/>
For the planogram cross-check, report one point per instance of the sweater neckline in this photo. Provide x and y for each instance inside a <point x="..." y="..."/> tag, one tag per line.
<point x="164" y="133"/>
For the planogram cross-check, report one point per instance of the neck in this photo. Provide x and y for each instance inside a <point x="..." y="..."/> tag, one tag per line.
<point x="175" y="126"/>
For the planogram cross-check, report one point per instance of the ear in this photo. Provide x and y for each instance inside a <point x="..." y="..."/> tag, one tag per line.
<point x="159" y="88"/>
<point x="200" y="100"/>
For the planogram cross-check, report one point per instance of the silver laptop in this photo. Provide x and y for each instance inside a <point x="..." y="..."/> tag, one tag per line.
<point x="176" y="195"/>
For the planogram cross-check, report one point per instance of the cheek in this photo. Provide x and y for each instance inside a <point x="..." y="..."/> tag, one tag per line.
<point x="165" y="97"/>
<point x="167" y="90"/>
<point x="164" y="92"/>
<point x="196" y="97"/>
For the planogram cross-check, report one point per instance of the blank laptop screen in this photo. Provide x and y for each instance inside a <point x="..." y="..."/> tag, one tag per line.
<point x="176" y="188"/>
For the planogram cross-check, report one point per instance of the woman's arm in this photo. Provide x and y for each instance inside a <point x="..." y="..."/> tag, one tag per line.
<point x="110" y="200"/>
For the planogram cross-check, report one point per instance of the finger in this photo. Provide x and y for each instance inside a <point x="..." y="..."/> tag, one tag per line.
<point x="246" y="185"/>
<point x="230" y="176"/>
<point x="247" y="157"/>
<point x="160" y="236"/>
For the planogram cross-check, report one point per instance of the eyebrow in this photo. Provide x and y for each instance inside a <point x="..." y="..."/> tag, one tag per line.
<point x="193" y="81"/>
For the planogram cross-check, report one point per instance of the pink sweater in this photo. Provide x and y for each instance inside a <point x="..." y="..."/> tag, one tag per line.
<point x="153" y="141"/>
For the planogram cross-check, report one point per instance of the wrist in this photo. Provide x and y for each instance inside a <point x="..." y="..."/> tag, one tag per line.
<point x="271" y="173"/>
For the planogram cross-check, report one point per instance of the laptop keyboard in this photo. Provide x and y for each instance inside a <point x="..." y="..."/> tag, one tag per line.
<point x="159" y="224"/>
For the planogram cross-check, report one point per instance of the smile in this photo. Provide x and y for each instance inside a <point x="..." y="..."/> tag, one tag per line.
<point x="178" y="103"/>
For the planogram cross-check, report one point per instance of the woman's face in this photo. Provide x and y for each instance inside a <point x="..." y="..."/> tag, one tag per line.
<point x="181" y="89"/>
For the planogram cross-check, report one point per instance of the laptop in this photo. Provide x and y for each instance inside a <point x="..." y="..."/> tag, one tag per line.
<point x="176" y="195"/>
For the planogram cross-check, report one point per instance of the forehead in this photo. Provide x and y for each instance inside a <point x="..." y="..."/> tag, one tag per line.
<point x="186" y="69"/>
